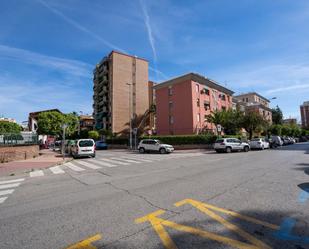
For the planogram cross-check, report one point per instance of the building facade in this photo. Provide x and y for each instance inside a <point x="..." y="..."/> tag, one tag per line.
<point x="86" y="122"/>
<point x="120" y="91"/>
<point x="255" y="102"/>
<point x="183" y="103"/>
<point x="289" y="121"/>
<point x="304" y="113"/>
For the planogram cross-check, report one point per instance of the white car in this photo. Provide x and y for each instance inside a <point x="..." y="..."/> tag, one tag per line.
<point x="230" y="144"/>
<point x="83" y="148"/>
<point x="259" y="143"/>
<point x="154" y="145"/>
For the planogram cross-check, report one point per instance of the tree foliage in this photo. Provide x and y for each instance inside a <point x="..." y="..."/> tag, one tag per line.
<point x="93" y="135"/>
<point x="277" y="116"/>
<point x="50" y="123"/>
<point x="8" y="127"/>
<point x="252" y="121"/>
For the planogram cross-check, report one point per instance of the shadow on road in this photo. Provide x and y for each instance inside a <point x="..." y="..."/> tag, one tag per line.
<point x="183" y="240"/>
<point x="305" y="167"/>
<point x="296" y="147"/>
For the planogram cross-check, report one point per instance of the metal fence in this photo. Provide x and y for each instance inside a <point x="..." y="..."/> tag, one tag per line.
<point x="10" y="139"/>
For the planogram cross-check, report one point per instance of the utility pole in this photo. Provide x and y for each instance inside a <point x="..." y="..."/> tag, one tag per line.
<point x="64" y="126"/>
<point x="130" y="113"/>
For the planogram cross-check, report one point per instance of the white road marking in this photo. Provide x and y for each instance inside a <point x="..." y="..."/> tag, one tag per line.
<point x="74" y="167"/>
<point x="56" y="170"/>
<point x="126" y="160"/>
<point x="37" y="173"/>
<point x="113" y="161"/>
<point x="12" y="181"/>
<point x="13" y="185"/>
<point x="6" y="192"/>
<point x="2" y="199"/>
<point x="105" y="164"/>
<point x="138" y="159"/>
<point x="89" y="165"/>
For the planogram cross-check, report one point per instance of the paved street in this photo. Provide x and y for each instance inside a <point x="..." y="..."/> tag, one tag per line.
<point x="190" y="199"/>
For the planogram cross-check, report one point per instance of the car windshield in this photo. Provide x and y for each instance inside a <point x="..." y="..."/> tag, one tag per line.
<point x="219" y="141"/>
<point x="85" y="143"/>
<point x="158" y="141"/>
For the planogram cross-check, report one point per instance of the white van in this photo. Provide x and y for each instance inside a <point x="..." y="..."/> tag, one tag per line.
<point x="83" y="148"/>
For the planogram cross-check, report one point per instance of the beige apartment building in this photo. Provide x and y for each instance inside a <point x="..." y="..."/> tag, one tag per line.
<point x="120" y="90"/>
<point x="254" y="102"/>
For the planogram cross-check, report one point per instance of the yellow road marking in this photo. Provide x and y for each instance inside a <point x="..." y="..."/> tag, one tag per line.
<point x="205" y="208"/>
<point x="86" y="244"/>
<point x="158" y="225"/>
<point x="236" y="215"/>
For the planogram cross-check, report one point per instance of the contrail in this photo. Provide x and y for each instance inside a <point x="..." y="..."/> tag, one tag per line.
<point x="80" y="27"/>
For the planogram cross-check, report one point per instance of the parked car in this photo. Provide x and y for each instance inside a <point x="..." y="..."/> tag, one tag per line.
<point x="259" y="143"/>
<point x="101" y="145"/>
<point x="57" y="145"/>
<point x="83" y="148"/>
<point x="230" y="144"/>
<point x="276" y="141"/>
<point x="68" y="146"/>
<point x="147" y="145"/>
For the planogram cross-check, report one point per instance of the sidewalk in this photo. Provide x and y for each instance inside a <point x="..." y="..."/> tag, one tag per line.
<point x="47" y="159"/>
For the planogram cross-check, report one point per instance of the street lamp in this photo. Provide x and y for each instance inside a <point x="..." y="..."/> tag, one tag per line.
<point x="130" y="113"/>
<point x="64" y="126"/>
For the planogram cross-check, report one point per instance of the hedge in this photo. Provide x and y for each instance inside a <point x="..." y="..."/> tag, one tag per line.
<point x="185" y="139"/>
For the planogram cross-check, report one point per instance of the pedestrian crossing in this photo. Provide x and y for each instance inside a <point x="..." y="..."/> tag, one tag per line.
<point x="112" y="161"/>
<point x="8" y="187"/>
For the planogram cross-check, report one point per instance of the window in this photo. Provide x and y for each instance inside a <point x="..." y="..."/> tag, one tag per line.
<point x="170" y="90"/>
<point x="243" y="100"/>
<point x="222" y="96"/>
<point x="197" y="88"/>
<point x="223" y="108"/>
<point x="247" y="100"/>
<point x="170" y="104"/>
<point x="206" y="91"/>
<point x="198" y="117"/>
<point x="198" y="102"/>
<point x="206" y="105"/>
<point x="171" y="120"/>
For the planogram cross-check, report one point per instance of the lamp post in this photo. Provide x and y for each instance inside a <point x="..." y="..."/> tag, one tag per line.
<point x="130" y="113"/>
<point x="64" y="126"/>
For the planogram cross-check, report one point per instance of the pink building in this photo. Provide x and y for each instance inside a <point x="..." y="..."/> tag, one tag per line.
<point x="183" y="103"/>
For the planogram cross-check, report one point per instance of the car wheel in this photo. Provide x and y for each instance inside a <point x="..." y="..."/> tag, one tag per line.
<point x="262" y="147"/>
<point x="141" y="150"/>
<point x="228" y="150"/>
<point x="246" y="149"/>
<point x="218" y="151"/>
<point x="162" y="151"/>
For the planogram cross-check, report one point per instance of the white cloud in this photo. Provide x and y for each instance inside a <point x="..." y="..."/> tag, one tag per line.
<point x="149" y="29"/>
<point x="80" y="27"/>
<point x="73" y="67"/>
<point x="288" y="88"/>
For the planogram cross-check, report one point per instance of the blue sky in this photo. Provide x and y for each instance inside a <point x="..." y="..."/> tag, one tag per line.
<point x="48" y="48"/>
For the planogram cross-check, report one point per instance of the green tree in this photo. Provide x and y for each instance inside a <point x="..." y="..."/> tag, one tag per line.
<point x="50" y="123"/>
<point x="216" y="117"/>
<point x="277" y="116"/>
<point x="94" y="135"/>
<point x="8" y="127"/>
<point x="252" y="121"/>
<point x="275" y="129"/>
<point x="286" y="130"/>
<point x="71" y="119"/>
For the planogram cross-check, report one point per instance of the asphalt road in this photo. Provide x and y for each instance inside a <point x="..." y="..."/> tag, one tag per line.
<point x="258" y="199"/>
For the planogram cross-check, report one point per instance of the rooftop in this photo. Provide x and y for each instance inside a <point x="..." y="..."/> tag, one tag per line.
<point x="252" y="93"/>
<point x="197" y="78"/>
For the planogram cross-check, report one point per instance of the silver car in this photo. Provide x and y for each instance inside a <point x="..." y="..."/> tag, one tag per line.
<point x="259" y="143"/>
<point x="154" y="145"/>
<point x="230" y="144"/>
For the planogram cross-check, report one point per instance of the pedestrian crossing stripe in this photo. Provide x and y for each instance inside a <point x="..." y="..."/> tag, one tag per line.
<point x="89" y="165"/>
<point x="159" y="225"/>
<point x="125" y="160"/>
<point x="37" y="173"/>
<point x="113" y="161"/>
<point x="57" y="170"/>
<point x="7" y="188"/>
<point x="73" y="167"/>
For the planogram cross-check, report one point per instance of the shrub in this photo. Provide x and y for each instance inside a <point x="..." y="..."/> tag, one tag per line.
<point x="184" y="139"/>
<point x="94" y="135"/>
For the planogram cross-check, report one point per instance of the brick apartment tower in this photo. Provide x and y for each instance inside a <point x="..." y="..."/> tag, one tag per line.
<point x="304" y="113"/>
<point x="111" y="92"/>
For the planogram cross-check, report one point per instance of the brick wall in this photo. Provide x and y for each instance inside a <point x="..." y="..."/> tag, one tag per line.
<point x="13" y="153"/>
